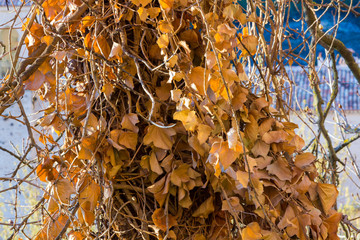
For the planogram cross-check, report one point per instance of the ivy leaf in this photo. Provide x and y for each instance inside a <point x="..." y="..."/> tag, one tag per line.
<point x="275" y="137"/>
<point x="188" y="118"/>
<point x="251" y="232"/>
<point x="141" y="2"/>
<point x="205" y="208"/>
<point x="280" y="169"/>
<point x="160" y="137"/>
<point x="166" y="4"/>
<point x="159" y="219"/>
<point x="327" y="194"/>
<point x="163" y="41"/>
<point x="198" y="79"/>
<point x="304" y="159"/>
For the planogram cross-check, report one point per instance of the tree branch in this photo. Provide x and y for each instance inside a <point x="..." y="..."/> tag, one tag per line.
<point x="328" y="41"/>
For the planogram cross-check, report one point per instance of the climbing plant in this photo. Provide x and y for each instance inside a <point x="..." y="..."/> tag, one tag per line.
<point x="166" y="119"/>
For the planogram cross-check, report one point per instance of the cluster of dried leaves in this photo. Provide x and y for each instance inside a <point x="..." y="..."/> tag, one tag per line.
<point x="162" y="137"/>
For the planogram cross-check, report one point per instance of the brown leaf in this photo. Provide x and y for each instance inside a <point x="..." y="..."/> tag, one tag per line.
<point x="89" y="193"/>
<point x="198" y="79"/>
<point x="159" y="219"/>
<point x="116" y="50"/>
<point x="163" y="41"/>
<point x="142" y="2"/>
<point x="188" y="118"/>
<point x="243" y="178"/>
<point x="128" y="140"/>
<point x="232" y="205"/>
<point x="248" y="46"/>
<point x="129" y="121"/>
<point x="252" y="232"/>
<point x="52" y="226"/>
<point x="204" y="132"/>
<point x="298" y="142"/>
<point x="180" y="175"/>
<point x="226" y="156"/>
<point x="153" y="12"/>
<point x="76" y="235"/>
<point x="35" y="81"/>
<point x="304" y="159"/>
<point x="142" y="13"/>
<point x="328" y="194"/>
<point x="252" y="129"/>
<point x="195" y="144"/>
<point x="166" y="4"/>
<point x="260" y="149"/>
<point x="332" y="225"/>
<point x="154" y="164"/>
<point x="160" y="137"/>
<point x="60" y="192"/>
<point x="274" y="137"/>
<point x="266" y="126"/>
<point x="205" y="208"/>
<point x="280" y="168"/>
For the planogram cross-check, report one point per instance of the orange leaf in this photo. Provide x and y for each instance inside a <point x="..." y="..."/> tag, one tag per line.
<point x="142" y="13"/>
<point x="275" y="137"/>
<point x="159" y="218"/>
<point x="163" y="41"/>
<point x="332" y="224"/>
<point x="198" y="79"/>
<point x="304" y="159"/>
<point x="166" y="4"/>
<point x="47" y="40"/>
<point x="142" y="2"/>
<point x="35" y="81"/>
<point x="205" y="208"/>
<point x="128" y="139"/>
<point x="328" y="194"/>
<point x="188" y="118"/>
<point x="160" y="137"/>
<point x="61" y="192"/>
<point x="226" y="155"/>
<point x="129" y="121"/>
<point x="280" y="168"/>
<point x="252" y="232"/>
<point x="165" y="27"/>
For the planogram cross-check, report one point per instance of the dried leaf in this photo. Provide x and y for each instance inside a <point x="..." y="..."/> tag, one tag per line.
<point x="116" y="50"/>
<point x="165" y="27"/>
<point x="243" y="178"/>
<point x="129" y="121"/>
<point x="142" y="2"/>
<point x="280" y="168"/>
<point x="188" y="118"/>
<point x="128" y="140"/>
<point x="154" y="164"/>
<point x="252" y="232"/>
<point x="160" y="137"/>
<point x="232" y="205"/>
<point x="327" y="194"/>
<point x="226" y="156"/>
<point x="163" y="41"/>
<point x="142" y="13"/>
<point x="205" y="208"/>
<point x="204" y="132"/>
<point x="260" y="149"/>
<point x="332" y="225"/>
<point x="274" y="137"/>
<point x="159" y="218"/>
<point x="166" y="4"/>
<point x="197" y="78"/>
<point x="304" y="159"/>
